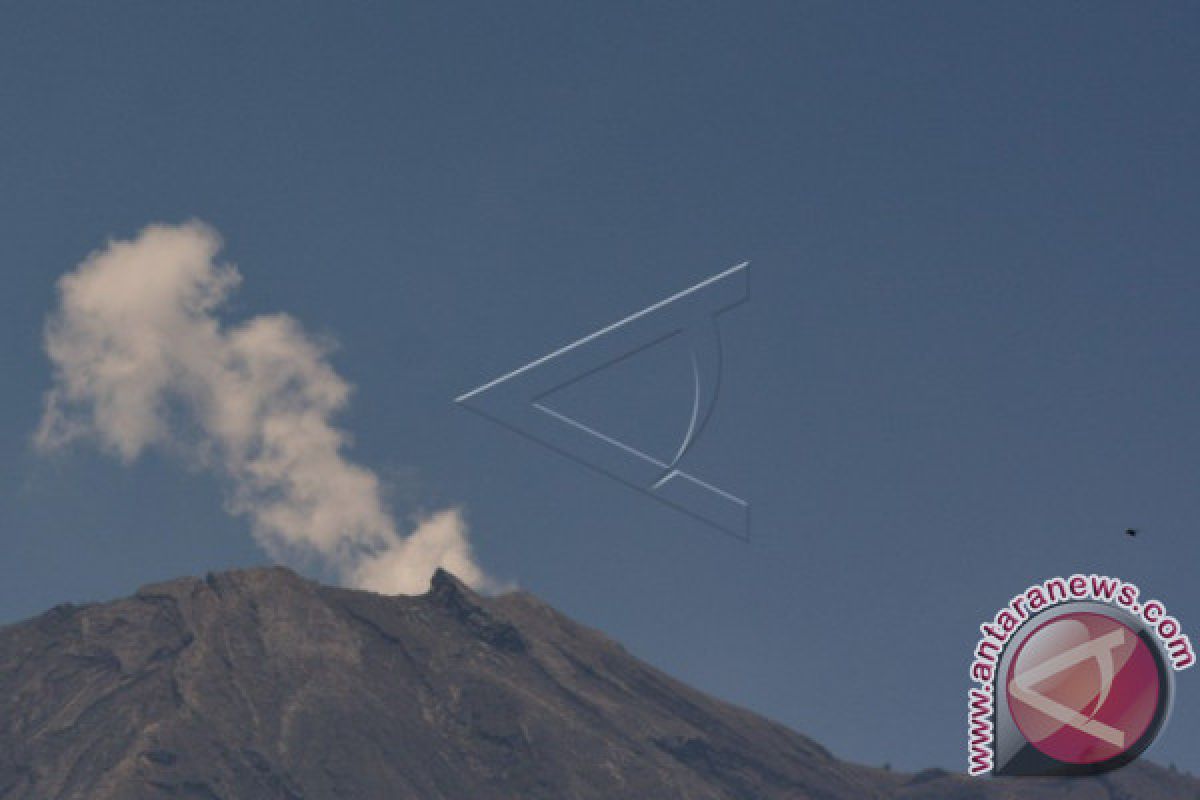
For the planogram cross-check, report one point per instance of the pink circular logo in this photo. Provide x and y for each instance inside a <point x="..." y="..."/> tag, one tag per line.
<point x="1084" y="688"/>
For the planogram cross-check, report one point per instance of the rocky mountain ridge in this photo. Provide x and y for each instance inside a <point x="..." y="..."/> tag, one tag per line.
<point x="261" y="685"/>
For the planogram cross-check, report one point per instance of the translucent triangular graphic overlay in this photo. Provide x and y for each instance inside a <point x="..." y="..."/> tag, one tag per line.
<point x="515" y="399"/>
<point x="1100" y="650"/>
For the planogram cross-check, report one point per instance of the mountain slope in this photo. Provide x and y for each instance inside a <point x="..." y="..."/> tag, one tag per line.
<point x="261" y="685"/>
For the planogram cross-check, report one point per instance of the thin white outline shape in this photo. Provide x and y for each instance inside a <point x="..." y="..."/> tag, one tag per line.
<point x="1021" y="686"/>
<point x="609" y="329"/>
<point x="702" y="407"/>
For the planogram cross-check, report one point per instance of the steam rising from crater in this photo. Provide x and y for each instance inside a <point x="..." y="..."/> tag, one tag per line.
<point x="141" y="360"/>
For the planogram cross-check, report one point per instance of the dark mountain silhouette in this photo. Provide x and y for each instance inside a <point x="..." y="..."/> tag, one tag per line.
<point x="261" y="685"/>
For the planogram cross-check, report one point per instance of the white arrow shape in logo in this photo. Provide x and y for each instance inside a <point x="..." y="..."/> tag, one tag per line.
<point x="1101" y="650"/>
<point x="516" y="400"/>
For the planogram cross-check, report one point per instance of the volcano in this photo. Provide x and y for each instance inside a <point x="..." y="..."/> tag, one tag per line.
<point x="261" y="685"/>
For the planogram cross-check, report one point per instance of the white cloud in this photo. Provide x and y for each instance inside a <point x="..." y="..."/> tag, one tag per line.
<point x="142" y="361"/>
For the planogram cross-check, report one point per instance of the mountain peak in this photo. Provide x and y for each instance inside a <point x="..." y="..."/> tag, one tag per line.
<point x="262" y="684"/>
<point x="444" y="583"/>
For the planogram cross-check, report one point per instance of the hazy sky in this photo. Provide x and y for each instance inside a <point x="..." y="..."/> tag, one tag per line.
<point x="969" y="361"/>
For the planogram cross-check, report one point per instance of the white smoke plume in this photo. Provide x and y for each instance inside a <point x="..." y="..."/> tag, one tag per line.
<point x="141" y="360"/>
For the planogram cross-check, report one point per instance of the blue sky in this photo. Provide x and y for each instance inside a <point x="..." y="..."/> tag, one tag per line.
<point x="969" y="360"/>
